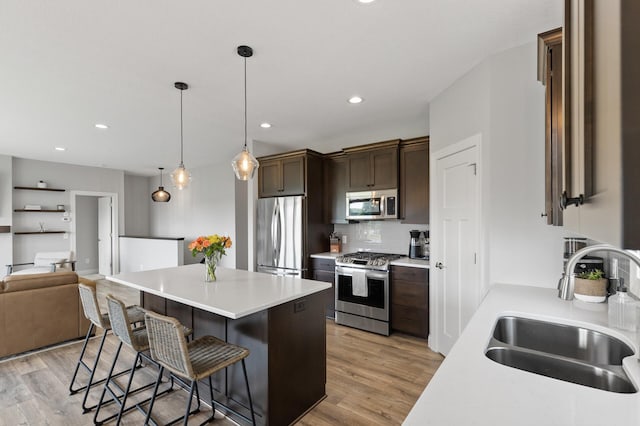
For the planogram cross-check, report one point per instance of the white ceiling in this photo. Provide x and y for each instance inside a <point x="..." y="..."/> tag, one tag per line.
<point x="68" y="64"/>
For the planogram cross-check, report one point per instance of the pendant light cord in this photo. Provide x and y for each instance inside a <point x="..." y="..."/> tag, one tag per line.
<point x="181" y="139"/>
<point x="245" y="103"/>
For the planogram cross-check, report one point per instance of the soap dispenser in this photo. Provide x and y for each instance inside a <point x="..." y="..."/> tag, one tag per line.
<point x="622" y="307"/>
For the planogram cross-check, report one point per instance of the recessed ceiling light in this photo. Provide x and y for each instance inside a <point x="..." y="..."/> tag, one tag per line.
<point x="101" y="126"/>
<point x="59" y="148"/>
<point x="365" y="1"/>
<point x="355" y="100"/>
<point x="265" y="125"/>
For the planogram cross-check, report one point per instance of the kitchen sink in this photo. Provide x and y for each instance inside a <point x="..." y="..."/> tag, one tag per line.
<point x="560" y="339"/>
<point x="564" y="352"/>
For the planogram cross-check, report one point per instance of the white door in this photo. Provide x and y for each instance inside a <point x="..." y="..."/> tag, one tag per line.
<point x="104" y="236"/>
<point x="454" y="238"/>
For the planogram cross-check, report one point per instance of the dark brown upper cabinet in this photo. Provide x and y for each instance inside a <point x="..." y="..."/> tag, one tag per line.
<point x="373" y="166"/>
<point x="551" y="76"/>
<point x="336" y="187"/>
<point x="282" y="175"/>
<point x="414" y="180"/>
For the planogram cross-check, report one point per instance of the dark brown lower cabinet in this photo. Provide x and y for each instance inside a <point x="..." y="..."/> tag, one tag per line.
<point x="325" y="270"/>
<point x="410" y="300"/>
<point x="287" y="363"/>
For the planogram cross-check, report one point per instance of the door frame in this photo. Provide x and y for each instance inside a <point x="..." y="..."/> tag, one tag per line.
<point x="115" y="248"/>
<point x="436" y="249"/>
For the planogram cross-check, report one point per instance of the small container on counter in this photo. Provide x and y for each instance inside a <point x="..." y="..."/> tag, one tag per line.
<point x="334" y="243"/>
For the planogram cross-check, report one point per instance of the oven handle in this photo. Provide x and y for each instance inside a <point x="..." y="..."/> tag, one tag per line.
<point x="341" y="270"/>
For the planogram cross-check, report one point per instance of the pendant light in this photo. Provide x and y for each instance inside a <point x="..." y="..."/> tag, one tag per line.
<point x="160" y="196"/>
<point x="244" y="164"/>
<point x="180" y="176"/>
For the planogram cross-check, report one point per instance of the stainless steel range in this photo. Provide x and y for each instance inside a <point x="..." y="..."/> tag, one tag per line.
<point x="362" y="290"/>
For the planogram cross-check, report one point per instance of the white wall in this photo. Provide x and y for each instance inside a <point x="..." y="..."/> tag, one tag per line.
<point x="70" y="177"/>
<point x="205" y="207"/>
<point x="87" y="234"/>
<point x="136" y="203"/>
<point x="6" y="209"/>
<point x="501" y="100"/>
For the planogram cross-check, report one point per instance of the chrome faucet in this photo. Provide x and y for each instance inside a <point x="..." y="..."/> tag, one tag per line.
<point x="566" y="285"/>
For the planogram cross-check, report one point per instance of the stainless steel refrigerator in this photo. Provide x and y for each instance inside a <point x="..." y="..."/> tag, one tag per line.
<point x="280" y="235"/>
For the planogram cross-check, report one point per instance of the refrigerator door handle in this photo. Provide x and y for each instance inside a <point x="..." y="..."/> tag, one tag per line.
<point x="279" y="232"/>
<point x="274" y="224"/>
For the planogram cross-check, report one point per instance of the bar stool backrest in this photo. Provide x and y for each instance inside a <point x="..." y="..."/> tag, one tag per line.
<point x="121" y="326"/>
<point x="90" y="305"/>
<point x="168" y="344"/>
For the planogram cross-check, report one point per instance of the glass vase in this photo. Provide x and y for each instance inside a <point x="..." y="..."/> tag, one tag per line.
<point x="210" y="264"/>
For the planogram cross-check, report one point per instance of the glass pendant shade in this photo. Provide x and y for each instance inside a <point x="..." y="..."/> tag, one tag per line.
<point x="160" y="195"/>
<point x="180" y="177"/>
<point x="245" y="165"/>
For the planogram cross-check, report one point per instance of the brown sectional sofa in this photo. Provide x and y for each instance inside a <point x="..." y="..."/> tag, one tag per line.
<point x="38" y="310"/>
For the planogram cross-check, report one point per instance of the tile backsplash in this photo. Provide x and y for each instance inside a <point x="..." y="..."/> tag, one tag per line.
<point x="380" y="236"/>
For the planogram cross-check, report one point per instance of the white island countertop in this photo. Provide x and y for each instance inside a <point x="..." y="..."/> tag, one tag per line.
<point x="470" y="389"/>
<point x="235" y="294"/>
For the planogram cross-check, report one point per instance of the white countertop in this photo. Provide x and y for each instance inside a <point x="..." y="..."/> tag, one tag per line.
<point x="403" y="261"/>
<point x="412" y="263"/>
<point x="471" y="389"/>
<point x="234" y="295"/>
<point x="326" y="255"/>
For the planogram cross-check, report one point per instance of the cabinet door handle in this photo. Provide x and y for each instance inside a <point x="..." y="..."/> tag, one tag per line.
<point x="566" y="201"/>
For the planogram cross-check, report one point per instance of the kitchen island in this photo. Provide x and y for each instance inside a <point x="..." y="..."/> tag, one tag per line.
<point x="279" y="319"/>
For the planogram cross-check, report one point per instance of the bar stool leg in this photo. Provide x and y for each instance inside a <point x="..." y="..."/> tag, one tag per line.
<point x="153" y="398"/>
<point x="81" y="361"/>
<point x="106" y="385"/>
<point x="246" y="381"/>
<point x="126" y="392"/>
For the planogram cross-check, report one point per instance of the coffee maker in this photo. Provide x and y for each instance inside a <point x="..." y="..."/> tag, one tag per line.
<point x="416" y="245"/>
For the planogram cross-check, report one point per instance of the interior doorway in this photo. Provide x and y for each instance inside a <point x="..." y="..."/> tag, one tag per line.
<point x="455" y="255"/>
<point x="94" y="225"/>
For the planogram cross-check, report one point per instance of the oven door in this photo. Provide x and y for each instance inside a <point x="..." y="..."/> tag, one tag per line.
<point x="370" y="303"/>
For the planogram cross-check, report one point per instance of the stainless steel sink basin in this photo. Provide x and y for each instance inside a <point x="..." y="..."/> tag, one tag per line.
<point x="560" y="339"/>
<point x="572" y="354"/>
<point x="609" y="379"/>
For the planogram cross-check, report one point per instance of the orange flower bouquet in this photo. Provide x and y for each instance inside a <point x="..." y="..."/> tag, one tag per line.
<point x="213" y="247"/>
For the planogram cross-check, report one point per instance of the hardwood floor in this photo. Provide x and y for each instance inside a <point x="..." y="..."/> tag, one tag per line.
<point x="371" y="380"/>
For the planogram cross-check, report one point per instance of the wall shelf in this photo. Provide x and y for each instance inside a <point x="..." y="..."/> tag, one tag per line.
<point x="5" y="229"/>
<point x="40" y="211"/>
<point x="39" y="232"/>
<point x="32" y="188"/>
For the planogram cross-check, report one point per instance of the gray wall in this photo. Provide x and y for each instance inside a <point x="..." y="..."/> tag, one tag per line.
<point x="206" y="207"/>
<point x="87" y="234"/>
<point x="501" y="100"/>
<point x="137" y="203"/>
<point x="6" y="208"/>
<point x="70" y="177"/>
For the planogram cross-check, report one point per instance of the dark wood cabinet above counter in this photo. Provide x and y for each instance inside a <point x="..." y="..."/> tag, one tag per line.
<point x="413" y="191"/>
<point x="373" y="166"/>
<point x="395" y="164"/>
<point x="288" y="174"/>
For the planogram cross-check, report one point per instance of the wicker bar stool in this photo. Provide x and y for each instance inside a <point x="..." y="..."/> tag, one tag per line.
<point x="92" y="313"/>
<point x="194" y="360"/>
<point x="138" y="341"/>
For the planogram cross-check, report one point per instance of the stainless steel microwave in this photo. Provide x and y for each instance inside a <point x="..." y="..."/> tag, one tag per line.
<point x="372" y="205"/>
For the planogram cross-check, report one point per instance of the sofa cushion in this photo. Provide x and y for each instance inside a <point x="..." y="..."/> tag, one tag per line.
<point x="14" y="283"/>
